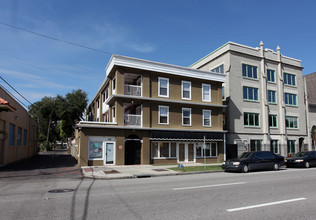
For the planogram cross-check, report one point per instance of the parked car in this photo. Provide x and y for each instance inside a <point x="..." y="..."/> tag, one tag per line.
<point x="302" y="159"/>
<point x="260" y="160"/>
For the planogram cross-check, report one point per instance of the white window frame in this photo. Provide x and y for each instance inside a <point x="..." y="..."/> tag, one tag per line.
<point x="201" y="144"/>
<point x="159" y="114"/>
<point x="210" y="92"/>
<point x="113" y="114"/>
<point x="276" y="120"/>
<point x="113" y="86"/>
<point x="272" y="92"/>
<point x="160" y="95"/>
<point x="182" y="90"/>
<point x="274" y="76"/>
<point x="184" y="109"/>
<point x="203" y="117"/>
<point x="158" y="153"/>
<point x="294" y="119"/>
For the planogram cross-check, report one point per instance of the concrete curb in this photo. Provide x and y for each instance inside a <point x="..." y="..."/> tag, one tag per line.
<point x="134" y="176"/>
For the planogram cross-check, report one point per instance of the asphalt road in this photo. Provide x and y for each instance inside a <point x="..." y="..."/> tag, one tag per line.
<point x="285" y="194"/>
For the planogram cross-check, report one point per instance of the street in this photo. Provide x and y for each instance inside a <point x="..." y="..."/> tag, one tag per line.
<point x="284" y="194"/>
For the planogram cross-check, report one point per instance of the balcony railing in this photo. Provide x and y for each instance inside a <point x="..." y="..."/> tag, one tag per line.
<point x="133" y="90"/>
<point x="135" y="120"/>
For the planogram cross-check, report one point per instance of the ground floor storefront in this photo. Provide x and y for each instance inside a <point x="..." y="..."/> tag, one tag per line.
<point x="99" y="147"/>
<point x="284" y="145"/>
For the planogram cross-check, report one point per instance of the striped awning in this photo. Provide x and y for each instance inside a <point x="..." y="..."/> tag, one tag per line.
<point x="188" y="140"/>
<point x="185" y="136"/>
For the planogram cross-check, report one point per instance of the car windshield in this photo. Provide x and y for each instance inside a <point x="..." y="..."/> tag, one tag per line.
<point x="301" y="154"/>
<point x="246" y="155"/>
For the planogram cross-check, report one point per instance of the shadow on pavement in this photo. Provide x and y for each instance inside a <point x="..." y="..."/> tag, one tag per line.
<point x="44" y="160"/>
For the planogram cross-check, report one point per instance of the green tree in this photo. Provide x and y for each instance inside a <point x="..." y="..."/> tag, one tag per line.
<point x="57" y="116"/>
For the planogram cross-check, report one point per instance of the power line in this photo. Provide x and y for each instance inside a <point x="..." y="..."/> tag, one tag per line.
<point x="16" y="92"/>
<point x="13" y="95"/>
<point x="55" y="39"/>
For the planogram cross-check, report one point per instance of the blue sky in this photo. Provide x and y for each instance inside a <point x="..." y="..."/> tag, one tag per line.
<point x="177" y="32"/>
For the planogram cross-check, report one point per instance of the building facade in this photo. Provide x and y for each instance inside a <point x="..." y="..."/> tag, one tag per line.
<point x="18" y="131"/>
<point x="310" y="91"/>
<point x="264" y="93"/>
<point x="152" y="113"/>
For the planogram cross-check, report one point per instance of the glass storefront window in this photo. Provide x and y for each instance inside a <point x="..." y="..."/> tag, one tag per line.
<point x="154" y="149"/>
<point x="173" y="150"/>
<point x="164" y="149"/>
<point x="95" y="150"/>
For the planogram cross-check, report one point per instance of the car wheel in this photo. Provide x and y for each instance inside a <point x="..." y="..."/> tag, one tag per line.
<point x="306" y="164"/>
<point x="276" y="166"/>
<point x="245" y="168"/>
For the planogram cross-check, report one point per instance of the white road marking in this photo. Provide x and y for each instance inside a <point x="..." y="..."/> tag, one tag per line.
<point x="206" y="186"/>
<point x="265" y="204"/>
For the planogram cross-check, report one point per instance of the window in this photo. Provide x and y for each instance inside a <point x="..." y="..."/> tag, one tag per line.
<point x="271" y="96"/>
<point x="219" y="69"/>
<point x="98" y="104"/>
<point x="274" y="144"/>
<point x="289" y="79"/>
<point x="12" y="135"/>
<point x="255" y="145"/>
<point x="163" y="87"/>
<point x="113" y="114"/>
<point x="163" y="114"/>
<point x="186" y="116"/>
<point x="273" y="121"/>
<point x="271" y="76"/>
<point x="250" y="94"/>
<point x="105" y="94"/>
<point x="113" y="86"/>
<point x="223" y="92"/>
<point x="19" y="137"/>
<point x="24" y="137"/>
<point x="291" y="122"/>
<point x="210" y="150"/>
<point x="106" y="116"/>
<point x="206" y="92"/>
<point x="290" y="99"/>
<point x="186" y="90"/>
<point x="290" y="146"/>
<point x="95" y="150"/>
<point x="207" y="118"/>
<point x="251" y="119"/>
<point x="249" y="71"/>
<point x="163" y="150"/>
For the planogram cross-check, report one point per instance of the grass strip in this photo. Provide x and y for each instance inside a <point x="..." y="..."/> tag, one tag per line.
<point x="197" y="168"/>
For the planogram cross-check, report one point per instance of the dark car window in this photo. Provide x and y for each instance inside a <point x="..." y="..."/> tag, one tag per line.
<point x="259" y="155"/>
<point x="301" y="154"/>
<point x="268" y="155"/>
<point x="246" y="155"/>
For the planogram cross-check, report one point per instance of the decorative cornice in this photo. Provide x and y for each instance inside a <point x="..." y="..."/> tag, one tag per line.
<point x="117" y="60"/>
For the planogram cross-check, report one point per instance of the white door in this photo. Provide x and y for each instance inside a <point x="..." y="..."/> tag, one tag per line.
<point x="109" y="153"/>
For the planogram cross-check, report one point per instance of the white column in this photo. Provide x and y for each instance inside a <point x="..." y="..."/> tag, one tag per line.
<point x="281" y="104"/>
<point x="264" y="103"/>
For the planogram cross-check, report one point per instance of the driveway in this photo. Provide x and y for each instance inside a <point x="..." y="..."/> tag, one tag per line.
<point x="52" y="164"/>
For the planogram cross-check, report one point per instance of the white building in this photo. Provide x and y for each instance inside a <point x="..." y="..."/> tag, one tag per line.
<point x="264" y="91"/>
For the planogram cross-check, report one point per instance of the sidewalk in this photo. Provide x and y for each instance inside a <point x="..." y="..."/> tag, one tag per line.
<point x="136" y="171"/>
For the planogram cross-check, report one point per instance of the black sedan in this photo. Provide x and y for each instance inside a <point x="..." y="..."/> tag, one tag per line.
<point x="260" y="160"/>
<point x="302" y="159"/>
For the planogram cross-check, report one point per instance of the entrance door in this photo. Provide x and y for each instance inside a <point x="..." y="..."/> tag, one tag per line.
<point x="132" y="152"/>
<point x="109" y="153"/>
<point x="186" y="152"/>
